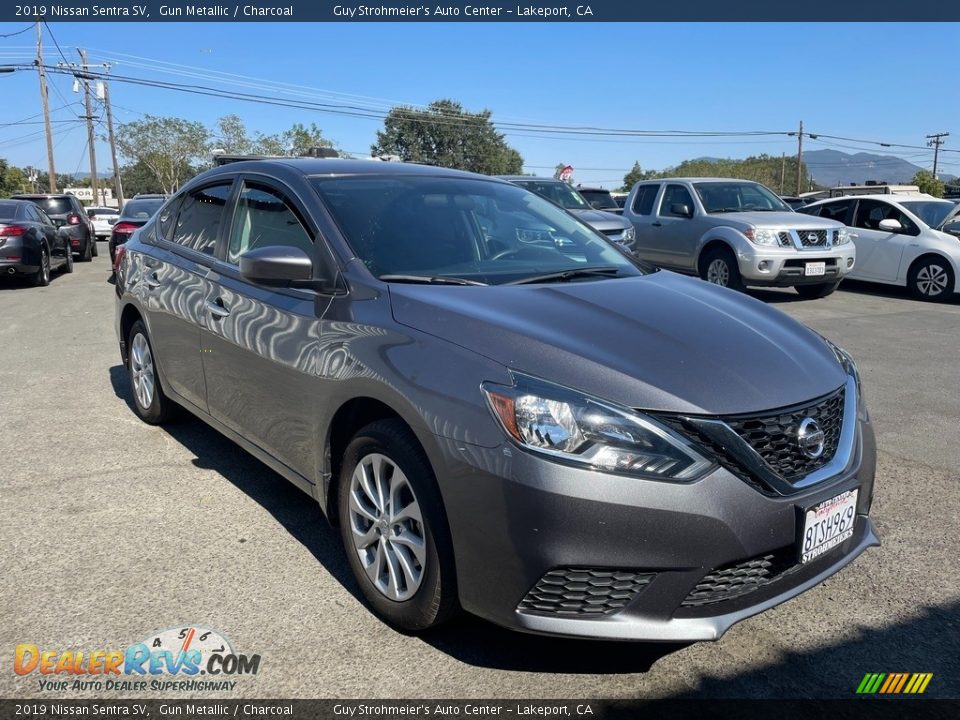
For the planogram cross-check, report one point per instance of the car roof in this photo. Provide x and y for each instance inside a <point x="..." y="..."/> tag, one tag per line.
<point x="530" y="178"/>
<point x="339" y="166"/>
<point x="41" y="196"/>
<point x="700" y="179"/>
<point x="889" y="197"/>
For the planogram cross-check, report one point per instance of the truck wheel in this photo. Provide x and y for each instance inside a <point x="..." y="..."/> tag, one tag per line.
<point x="719" y="267"/>
<point x="820" y="290"/>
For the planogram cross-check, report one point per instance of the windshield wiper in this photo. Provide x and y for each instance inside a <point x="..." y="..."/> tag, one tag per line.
<point x="566" y="275"/>
<point x="429" y="280"/>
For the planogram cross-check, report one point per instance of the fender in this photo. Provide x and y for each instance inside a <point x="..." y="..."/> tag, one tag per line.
<point x="734" y="239"/>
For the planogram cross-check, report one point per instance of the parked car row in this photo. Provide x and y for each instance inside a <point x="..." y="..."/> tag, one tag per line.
<point x="30" y="244"/>
<point x="502" y="411"/>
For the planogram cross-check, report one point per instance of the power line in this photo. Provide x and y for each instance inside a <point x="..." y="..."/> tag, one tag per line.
<point x="18" y="32"/>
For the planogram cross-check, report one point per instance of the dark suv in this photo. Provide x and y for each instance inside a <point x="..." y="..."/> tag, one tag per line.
<point x="67" y="213"/>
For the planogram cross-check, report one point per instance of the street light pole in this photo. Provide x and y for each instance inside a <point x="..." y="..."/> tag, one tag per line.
<point x="51" y="170"/>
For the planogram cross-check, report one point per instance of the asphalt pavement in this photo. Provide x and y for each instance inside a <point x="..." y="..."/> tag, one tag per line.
<point x="111" y="529"/>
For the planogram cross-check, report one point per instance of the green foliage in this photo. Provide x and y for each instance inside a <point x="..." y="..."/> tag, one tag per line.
<point x="446" y="135"/>
<point x="168" y="146"/>
<point x="927" y="183"/>
<point x="231" y="136"/>
<point x="763" y="169"/>
<point x="12" y="179"/>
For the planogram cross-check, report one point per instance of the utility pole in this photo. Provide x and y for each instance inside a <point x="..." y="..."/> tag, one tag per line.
<point x="799" y="156"/>
<point x="90" y="134"/>
<point x="783" y="170"/>
<point x="117" y="182"/>
<point x="935" y="141"/>
<point x="51" y="170"/>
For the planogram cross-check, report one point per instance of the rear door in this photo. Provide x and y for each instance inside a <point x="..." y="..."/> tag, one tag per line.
<point x="59" y="245"/>
<point x="879" y="251"/>
<point x="177" y="286"/>
<point x="260" y="343"/>
<point x="674" y="237"/>
<point x="640" y="213"/>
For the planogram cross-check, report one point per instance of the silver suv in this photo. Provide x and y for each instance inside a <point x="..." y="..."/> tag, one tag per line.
<point x="736" y="233"/>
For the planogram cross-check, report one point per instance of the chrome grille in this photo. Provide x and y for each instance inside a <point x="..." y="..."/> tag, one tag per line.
<point x="812" y="238"/>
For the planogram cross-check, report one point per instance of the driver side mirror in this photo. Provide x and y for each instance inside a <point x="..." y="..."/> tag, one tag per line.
<point x="890" y="225"/>
<point x="681" y="209"/>
<point x="276" y="265"/>
<point x="953" y="228"/>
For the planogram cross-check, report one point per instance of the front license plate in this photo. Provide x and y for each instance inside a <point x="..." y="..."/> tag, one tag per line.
<point x="827" y="525"/>
<point x="814" y="269"/>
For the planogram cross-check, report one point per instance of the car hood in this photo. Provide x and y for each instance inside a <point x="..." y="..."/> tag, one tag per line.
<point x="657" y="342"/>
<point x="785" y="220"/>
<point x="601" y="220"/>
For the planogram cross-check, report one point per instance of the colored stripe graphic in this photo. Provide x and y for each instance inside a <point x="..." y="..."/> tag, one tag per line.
<point x="894" y="683"/>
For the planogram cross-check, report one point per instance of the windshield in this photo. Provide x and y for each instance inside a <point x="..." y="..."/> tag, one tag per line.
<point x="600" y="199"/>
<point x="721" y="197"/>
<point x="141" y="209"/>
<point x="932" y="212"/>
<point x="557" y="192"/>
<point x="453" y="229"/>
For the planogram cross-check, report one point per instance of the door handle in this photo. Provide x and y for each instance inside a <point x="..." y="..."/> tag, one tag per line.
<point x="656" y="224"/>
<point x="152" y="281"/>
<point x="216" y="309"/>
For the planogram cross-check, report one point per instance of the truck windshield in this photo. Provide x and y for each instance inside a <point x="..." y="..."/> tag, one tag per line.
<point x="721" y="197"/>
<point x="557" y="192"/>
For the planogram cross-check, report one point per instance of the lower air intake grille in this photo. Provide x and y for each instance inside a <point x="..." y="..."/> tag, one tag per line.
<point x="735" y="580"/>
<point x="583" y="591"/>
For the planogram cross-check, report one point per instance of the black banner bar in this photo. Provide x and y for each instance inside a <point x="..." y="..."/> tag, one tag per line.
<point x="483" y="11"/>
<point x="854" y="709"/>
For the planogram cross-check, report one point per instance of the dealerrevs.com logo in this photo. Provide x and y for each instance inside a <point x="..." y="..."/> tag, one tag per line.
<point x="191" y="658"/>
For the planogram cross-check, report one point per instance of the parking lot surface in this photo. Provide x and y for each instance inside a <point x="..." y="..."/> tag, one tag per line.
<point x="112" y="529"/>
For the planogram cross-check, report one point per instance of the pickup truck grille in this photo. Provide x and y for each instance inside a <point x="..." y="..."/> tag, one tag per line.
<point x="812" y="238"/>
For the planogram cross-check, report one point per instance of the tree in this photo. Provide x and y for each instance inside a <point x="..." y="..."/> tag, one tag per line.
<point x="169" y="147"/>
<point x="232" y="136"/>
<point x="635" y="175"/>
<point x="927" y="183"/>
<point x="446" y="135"/>
<point x="12" y="179"/>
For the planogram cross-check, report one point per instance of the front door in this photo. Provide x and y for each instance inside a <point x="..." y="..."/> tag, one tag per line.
<point x="879" y="251"/>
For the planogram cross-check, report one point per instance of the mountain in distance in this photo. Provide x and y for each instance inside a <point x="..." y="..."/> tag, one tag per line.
<point x="830" y="168"/>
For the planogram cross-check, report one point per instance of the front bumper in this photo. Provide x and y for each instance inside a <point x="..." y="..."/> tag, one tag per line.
<point x="514" y="517"/>
<point x="774" y="266"/>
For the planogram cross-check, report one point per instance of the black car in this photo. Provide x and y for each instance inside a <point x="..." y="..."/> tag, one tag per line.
<point x="134" y="215"/>
<point x="600" y="199"/>
<point x="67" y="212"/>
<point x="30" y="244"/>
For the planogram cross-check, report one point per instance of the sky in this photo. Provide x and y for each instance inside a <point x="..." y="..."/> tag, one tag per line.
<point x="879" y="82"/>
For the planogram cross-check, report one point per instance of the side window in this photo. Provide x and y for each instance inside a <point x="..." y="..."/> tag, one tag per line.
<point x="167" y="218"/>
<point x="643" y="200"/>
<point x="675" y="195"/>
<point x="201" y="213"/>
<point x="839" y="211"/>
<point x="264" y="217"/>
<point x="871" y="212"/>
<point x="30" y="213"/>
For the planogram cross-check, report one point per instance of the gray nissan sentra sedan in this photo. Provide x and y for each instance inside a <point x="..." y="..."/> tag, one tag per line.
<point x="502" y="411"/>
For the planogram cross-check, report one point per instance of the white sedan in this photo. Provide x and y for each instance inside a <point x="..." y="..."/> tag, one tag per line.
<point x="909" y="240"/>
<point x="103" y="219"/>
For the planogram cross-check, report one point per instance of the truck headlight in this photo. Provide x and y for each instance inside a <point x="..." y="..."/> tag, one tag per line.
<point x="629" y="234"/>
<point x="762" y="236"/>
<point x="843" y="236"/>
<point x="571" y="427"/>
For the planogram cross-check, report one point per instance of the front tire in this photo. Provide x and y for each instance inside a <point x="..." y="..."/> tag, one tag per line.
<point x="394" y="528"/>
<point x="819" y="290"/>
<point x="931" y="279"/>
<point x="42" y="276"/>
<point x="719" y="267"/>
<point x="149" y="401"/>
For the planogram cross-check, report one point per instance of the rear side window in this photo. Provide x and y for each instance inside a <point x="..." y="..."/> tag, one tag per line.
<point x="264" y="217"/>
<point x="198" y="224"/>
<point x="644" y="199"/>
<point x="839" y="211"/>
<point x="8" y="210"/>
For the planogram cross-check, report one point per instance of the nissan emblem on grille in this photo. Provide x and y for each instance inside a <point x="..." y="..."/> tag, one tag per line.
<point x="810" y="438"/>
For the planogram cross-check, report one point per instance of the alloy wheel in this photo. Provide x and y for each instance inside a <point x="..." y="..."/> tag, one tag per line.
<point x="141" y="367"/>
<point x="932" y="280"/>
<point x="387" y="527"/>
<point x="718" y="273"/>
<point x="45" y="267"/>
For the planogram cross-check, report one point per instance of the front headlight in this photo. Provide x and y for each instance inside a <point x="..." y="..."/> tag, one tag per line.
<point x="843" y="236"/>
<point x="762" y="236"/>
<point x="629" y="234"/>
<point x="850" y="366"/>
<point x="571" y="427"/>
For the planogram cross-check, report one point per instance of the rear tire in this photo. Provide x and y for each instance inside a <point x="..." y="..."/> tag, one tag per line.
<point x="394" y="528"/>
<point x="67" y="266"/>
<point x="719" y="267"/>
<point x="931" y="279"/>
<point x="42" y="277"/>
<point x="149" y="401"/>
<point x="820" y="290"/>
<point x="87" y="254"/>
<point x="93" y="244"/>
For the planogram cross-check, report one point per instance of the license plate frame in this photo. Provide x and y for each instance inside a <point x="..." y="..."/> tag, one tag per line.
<point x="815" y="269"/>
<point x="831" y="522"/>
